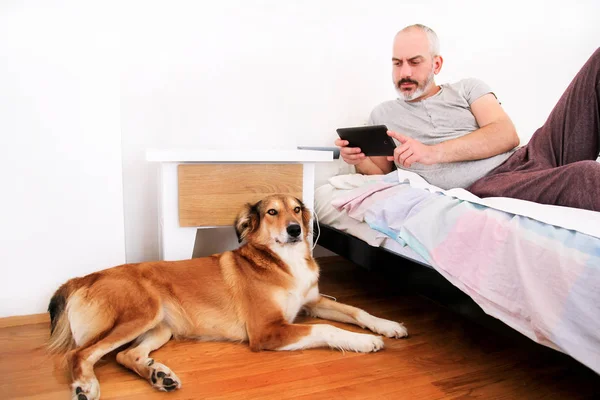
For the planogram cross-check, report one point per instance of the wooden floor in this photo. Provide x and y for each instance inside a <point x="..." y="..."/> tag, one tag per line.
<point x="445" y="356"/>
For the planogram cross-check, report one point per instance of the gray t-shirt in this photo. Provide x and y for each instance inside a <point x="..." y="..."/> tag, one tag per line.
<point x="443" y="116"/>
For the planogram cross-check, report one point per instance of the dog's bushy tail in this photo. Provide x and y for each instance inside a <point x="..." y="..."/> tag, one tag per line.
<point x="61" y="338"/>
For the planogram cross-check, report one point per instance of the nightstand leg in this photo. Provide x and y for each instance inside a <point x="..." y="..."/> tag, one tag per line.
<point x="175" y="242"/>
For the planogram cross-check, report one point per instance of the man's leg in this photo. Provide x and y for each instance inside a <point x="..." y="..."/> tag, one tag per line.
<point x="573" y="185"/>
<point x="572" y="131"/>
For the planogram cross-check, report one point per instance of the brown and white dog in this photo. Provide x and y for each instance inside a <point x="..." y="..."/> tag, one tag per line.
<point x="251" y="294"/>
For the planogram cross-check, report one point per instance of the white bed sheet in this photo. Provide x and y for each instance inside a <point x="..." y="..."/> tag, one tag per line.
<point x="340" y="220"/>
<point x="583" y="221"/>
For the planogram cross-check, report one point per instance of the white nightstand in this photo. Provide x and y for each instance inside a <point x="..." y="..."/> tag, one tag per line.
<point x="207" y="188"/>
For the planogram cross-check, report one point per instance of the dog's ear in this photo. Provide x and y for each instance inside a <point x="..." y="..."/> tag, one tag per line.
<point x="247" y="221"/>
<point x="306" y="216"/>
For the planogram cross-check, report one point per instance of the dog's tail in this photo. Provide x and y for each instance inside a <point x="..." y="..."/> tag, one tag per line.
<point x="61" y="338"/>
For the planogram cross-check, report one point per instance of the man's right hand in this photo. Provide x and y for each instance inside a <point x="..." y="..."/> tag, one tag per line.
<point x="351" y="155"/>
<point x="363" y="164"/>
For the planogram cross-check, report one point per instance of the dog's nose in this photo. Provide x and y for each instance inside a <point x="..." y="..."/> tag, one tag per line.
<point x="294" y="230"/>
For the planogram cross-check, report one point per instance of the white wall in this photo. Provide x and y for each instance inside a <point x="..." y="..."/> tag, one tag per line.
<point x="260" y="74"/>
<point x="61" y="207"/>
<point x="281" y="73"/>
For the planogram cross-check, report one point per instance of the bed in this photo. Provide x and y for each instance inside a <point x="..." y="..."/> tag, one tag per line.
<point x="533" y="267"/>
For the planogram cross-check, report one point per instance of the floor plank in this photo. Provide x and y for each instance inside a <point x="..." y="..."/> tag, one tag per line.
<point x="445" y="357"/>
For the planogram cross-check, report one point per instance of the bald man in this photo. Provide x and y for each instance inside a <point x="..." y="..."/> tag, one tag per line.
<point x="458" y="136"/>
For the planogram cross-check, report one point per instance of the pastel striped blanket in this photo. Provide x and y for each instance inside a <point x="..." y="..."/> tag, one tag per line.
<point x="541" y="279"/>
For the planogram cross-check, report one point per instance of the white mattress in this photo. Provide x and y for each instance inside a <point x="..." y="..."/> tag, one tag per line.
<point x="328" y="215"/>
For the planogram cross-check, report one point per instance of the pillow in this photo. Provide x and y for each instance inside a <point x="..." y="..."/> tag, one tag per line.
<point x="325" y="171"/>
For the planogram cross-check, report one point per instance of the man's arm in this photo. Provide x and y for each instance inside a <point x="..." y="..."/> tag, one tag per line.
<point x="496" y="135"/>
<point x="375" y="166"/>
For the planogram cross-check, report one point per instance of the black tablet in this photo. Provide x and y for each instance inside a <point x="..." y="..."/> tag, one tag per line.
<point x="373" y="140"/>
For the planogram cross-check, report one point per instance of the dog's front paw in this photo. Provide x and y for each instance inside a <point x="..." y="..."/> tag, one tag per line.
<point x="383" y="327"/>
<point x="367" y="344"/>
<point x="390" y="329"/>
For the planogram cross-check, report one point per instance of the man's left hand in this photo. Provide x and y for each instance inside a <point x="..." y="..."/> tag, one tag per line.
<point x="411" y="151"/>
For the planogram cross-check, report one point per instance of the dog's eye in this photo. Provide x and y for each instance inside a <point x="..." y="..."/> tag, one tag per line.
<point x="297" y="210"/>
<point x="272" y="212"/>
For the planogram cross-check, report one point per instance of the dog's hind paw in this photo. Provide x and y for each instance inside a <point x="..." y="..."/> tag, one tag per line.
<point x="162" y="378"/>
<point x="86" y="390"/>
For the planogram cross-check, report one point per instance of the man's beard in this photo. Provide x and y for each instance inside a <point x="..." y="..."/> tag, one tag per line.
<point x="406" y="96"/>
